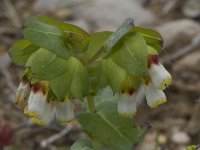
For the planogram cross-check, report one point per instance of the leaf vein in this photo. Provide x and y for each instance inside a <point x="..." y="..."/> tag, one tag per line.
<point x="114" y="128"/>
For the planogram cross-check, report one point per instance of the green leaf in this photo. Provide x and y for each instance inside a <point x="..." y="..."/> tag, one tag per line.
<point x="117" y="35"/>
<point x="74" y="81"/>
<point x="109" y="127"/>
<point x="68" y="28"/>
<point x="95" y="43"/>
<point x="131" y="54"/>
<point x="151" y="50"/>
<point x="21" y="51"/>
<point x="67" y="77"/>
<point x="82" y="144"/>
<point x="111" y="74"/>
<point x="45" y="65"/>
<point x="105" y="94"/>
<point x="47" y="36"/>
<point x="193" y="147"/>
<point x="74" y="33"/>
<point x="153" y="38"/>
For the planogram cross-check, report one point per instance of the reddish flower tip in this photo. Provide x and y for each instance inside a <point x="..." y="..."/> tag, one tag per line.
<point x="152" y="59"/>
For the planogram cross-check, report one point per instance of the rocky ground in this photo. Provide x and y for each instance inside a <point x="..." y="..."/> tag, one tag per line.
<point x="174" y="124"/>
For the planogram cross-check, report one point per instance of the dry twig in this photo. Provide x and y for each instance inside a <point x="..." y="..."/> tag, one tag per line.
<point x="183" y="51"/>
<point x="45" y="143"/>
<point x="12" y="13"/>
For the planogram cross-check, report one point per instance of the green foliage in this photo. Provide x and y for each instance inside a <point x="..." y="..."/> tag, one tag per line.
<point x="112" y="74"/>
<point x="151" y="50"/>
<point x="117" y="35"/>
<point x="151" y="37"/>
<point x="47" y="36"/>
<point x="111" y="129"/>
<point x="193" y="147"/>
<point x="21" y="51"/>
<point x="131" y="54"/>
<point x="43" y="64"/>
<point x="94" y="43"/>
<point x="77" y="64"/>
<point x="75" y="80"/>
<point x="75" y="34"/>
<point x="84" y="144"/>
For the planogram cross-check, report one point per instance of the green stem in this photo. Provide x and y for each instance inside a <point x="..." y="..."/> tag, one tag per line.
<point x="91" y="104"/>
<point x="96" y="143"/>
<point x="97" y="55"/>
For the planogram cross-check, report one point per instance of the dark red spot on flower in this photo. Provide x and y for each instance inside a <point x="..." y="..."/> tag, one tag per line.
<point x="152" y="59"/>
<point x="128" y="90"/>
<point x="131" y="91"/>
<point x="36" y="87"/>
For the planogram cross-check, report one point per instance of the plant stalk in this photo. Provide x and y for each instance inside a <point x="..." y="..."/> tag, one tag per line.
<point x="91" y="104"/>
<point x="97" y="55"/>
<point x="96" y="143"/>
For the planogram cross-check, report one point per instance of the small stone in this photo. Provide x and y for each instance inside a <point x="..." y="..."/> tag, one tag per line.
<point x="162" y="139"/>
<point x="62" y="14"/>
<point x="179" y="33"/>
<point x="109" y="14"/>
<point x="191" y="61"/>
<point x="191" y="8"/>
<point x="180" y="137"/>
<point x="149" y="141"/>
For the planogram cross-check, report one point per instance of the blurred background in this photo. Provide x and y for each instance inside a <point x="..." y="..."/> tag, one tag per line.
<point x="174" y="124"/>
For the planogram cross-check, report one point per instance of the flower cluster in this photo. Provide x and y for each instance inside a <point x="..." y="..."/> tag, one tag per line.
<point x="42" y="108"/>
<point x="157" y="80"/>
<point x="39" y="105"/>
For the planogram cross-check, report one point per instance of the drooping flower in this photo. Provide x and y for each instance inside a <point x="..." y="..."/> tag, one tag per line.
<point x="38" y="107"/>
<point x="22" y="94"/>
<point x="154" y="96"/>
<point x="127" y="103"/>
<point x="64" y="111"/>
<point x="160" y="77"/>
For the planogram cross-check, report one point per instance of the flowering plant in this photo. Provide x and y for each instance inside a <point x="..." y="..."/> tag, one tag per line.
<point x="103" y="70"/>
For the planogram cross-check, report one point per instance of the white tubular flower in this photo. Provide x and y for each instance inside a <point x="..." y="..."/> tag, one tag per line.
<point x="38" y="107"/>
<point x="154" y="96"/>
<point x="127" y="104"/>
<point x="22" y="94"/>
<point x="64" y="111"/>
<point x="46" y="117"/>
<point x="158" y="74"/>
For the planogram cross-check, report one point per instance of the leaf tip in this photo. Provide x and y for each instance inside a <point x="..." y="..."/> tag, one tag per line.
<point x="130" y="21"/>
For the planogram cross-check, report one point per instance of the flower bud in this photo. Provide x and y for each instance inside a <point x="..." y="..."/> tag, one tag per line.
<point x="64" y="111"/>
<point x="127" y="104"/>
<point x="154" y="96"/>
<point x="38" y="106"/>
<point x="22" y="94"/>
<point x="158" y="74"/>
